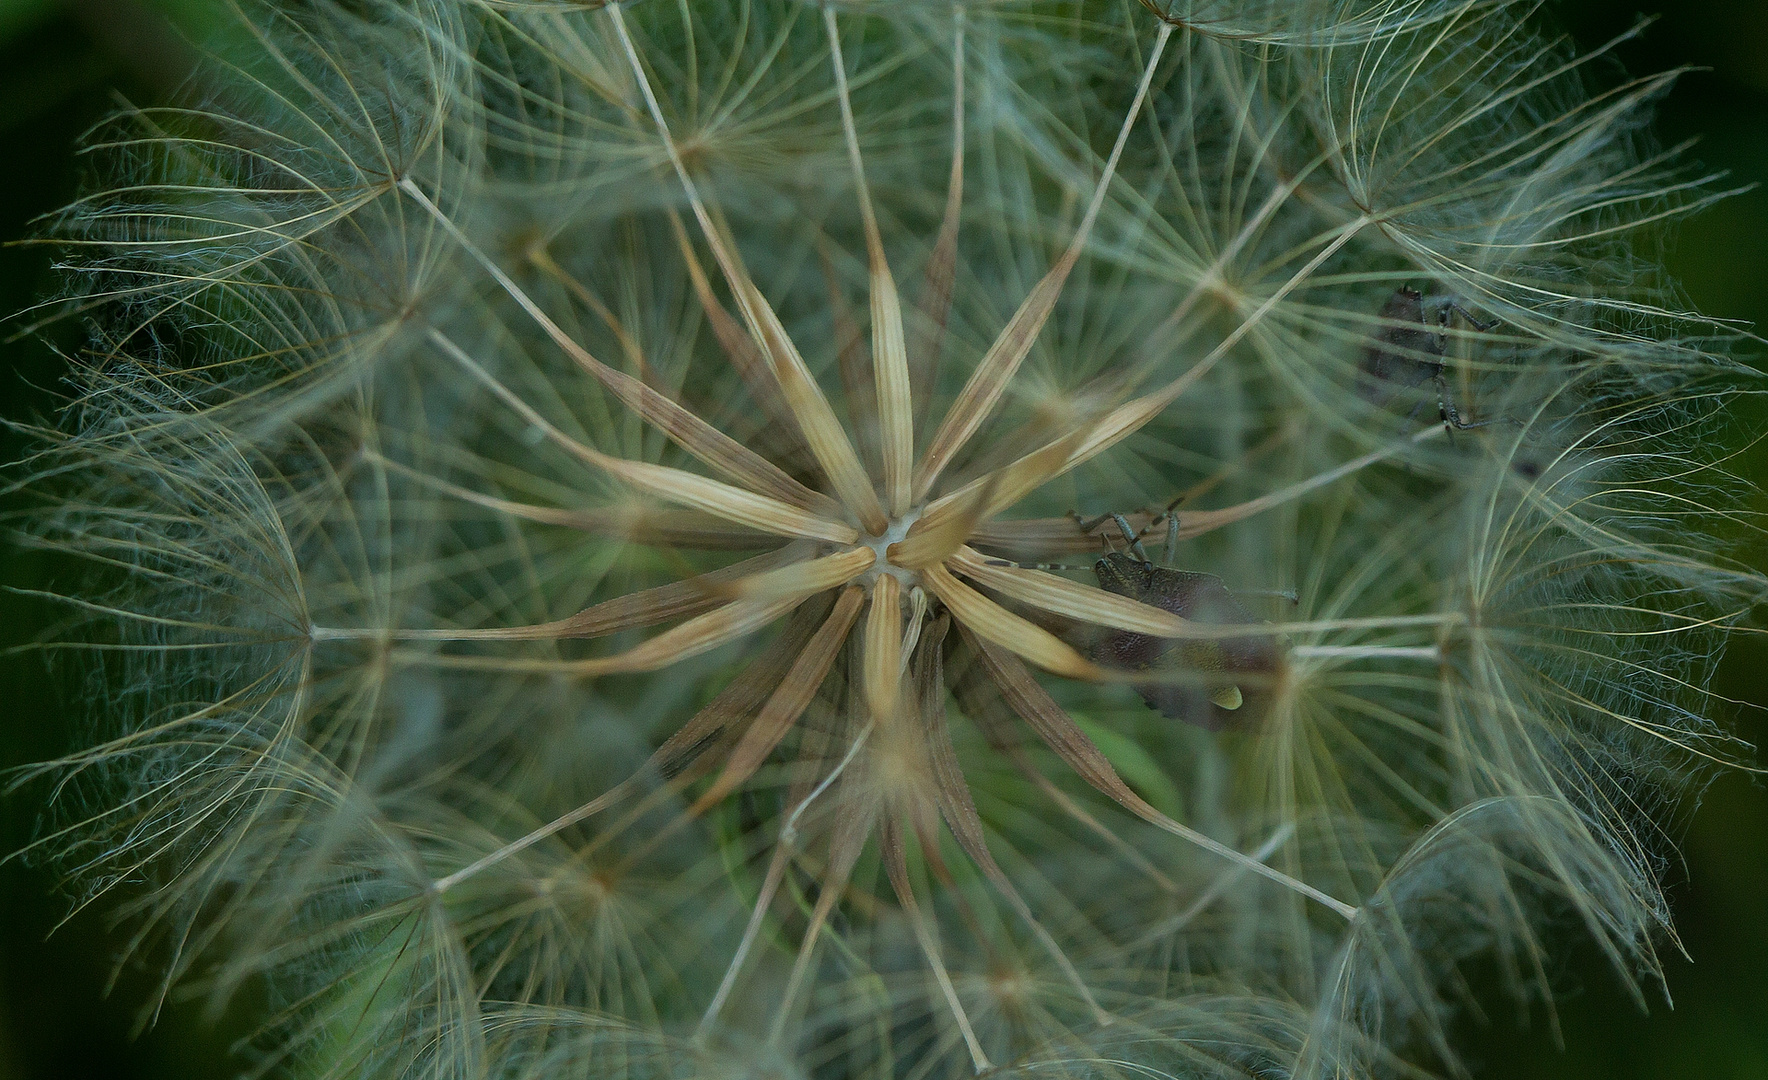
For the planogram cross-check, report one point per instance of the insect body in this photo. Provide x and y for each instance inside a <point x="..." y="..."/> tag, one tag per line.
<point x="1409" y="351"/>
<point x="1208" y="682"/>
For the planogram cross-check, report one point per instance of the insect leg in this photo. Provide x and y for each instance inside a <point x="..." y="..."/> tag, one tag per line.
<point x="1086" y="525"/>
<point x="1160" y="517"/>
<point x="1451" y="416"/>
<point x="1129" y="534"/>
<point x="1472" y="320"/>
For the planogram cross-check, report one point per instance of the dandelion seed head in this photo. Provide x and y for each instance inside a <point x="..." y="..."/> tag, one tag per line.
<point x="577" y="486"/>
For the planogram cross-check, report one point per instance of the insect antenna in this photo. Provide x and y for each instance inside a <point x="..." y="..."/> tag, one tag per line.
<point x="1290" y="596"/>
<point x="1034" y="565"/>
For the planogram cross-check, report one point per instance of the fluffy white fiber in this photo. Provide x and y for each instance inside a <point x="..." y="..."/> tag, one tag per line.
<point x="424" y="328"/>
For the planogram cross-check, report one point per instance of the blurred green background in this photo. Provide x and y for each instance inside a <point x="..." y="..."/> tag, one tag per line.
<point x="64" y="65"/>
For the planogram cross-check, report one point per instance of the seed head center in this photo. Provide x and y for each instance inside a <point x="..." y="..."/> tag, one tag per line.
<point x="895" y="530"/>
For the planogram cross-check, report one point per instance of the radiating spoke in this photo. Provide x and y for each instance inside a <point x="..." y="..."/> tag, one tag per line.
<point x="816" y="418"/>
<point x="732" y="707"/>
<point x="1059" y="536"/>
<point x="994" y="623"/>
<point x="883" y="650"/>
<point x="983" y="391"/>
<point x="685" y="488"/>
<point x="936" y="290"/>
<point x="988" y="495"/>
<point x="638" y="522"/>
<point x="890" y="363"/>
<point x="787" y="703"/>
<point x="703" y="633"/>
<point x="1130" y="417"/>
<point x="959" y="809"/>
<point x="647" y="607"/>
<point x="742" y="352"/>
<point x="801" y="579"/>
<point x="982" y="703"/>
<point x="853" y="823"/>
<point x="1069" y="599"/>
<point x="1061" y="734"/>
<point x="1197" y="522"/>
<point x="705" y="442"/>
<point x="934" y="537"/>
<point x="896" y="869"/>
<point x="760" y="599"/>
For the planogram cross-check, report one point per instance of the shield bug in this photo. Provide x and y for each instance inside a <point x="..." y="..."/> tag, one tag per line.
<point x="1208" y="682"/>
<point x="1410" y="351"/>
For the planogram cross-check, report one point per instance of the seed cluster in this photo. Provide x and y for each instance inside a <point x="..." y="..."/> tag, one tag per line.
<point x="577" y="499"/>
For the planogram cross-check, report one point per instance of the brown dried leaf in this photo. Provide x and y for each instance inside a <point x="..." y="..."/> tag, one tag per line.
<point x="890" y="364"/>
<point x="983" y="391"/>
<point x="728" y="714"/>
<point x="1058" y="456"/>
<point x="699" y="438"/>
<point x="816" y="419"/>
<point x="986" y="496"/>
<point x="894" y="411"/>
<point x="723" y="500"/>
<point x="1031" y="539"/>
<point x="700" y="634"/>
<point x="936" y="535"/>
